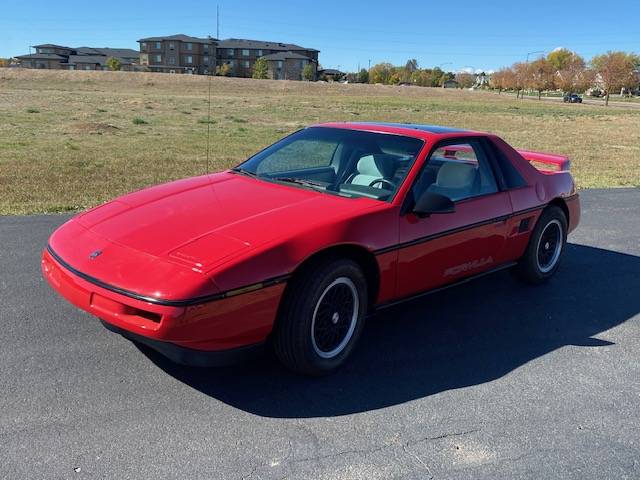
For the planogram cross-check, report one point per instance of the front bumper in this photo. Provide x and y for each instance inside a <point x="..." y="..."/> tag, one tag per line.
<point x="225" y="325"/>
<point x="191" y="357"/>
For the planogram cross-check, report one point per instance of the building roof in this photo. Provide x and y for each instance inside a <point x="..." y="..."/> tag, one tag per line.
<point x="180" y="37"/>
<point x="94" y="59"/>
<point x="260" y="45"/>
<point x="109" y="52"/>
<point x="285" y="56"/>
<point x="42" y="56"/>
<point x="330" y="71"/>
<point x="51" y="45"/>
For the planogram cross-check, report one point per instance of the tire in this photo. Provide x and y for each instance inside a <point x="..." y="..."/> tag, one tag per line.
<point x="546" y="245"/>
<point x="322" y="317"/>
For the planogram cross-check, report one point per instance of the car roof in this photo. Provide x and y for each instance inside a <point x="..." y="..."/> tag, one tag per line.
<point x="425" y="132"/>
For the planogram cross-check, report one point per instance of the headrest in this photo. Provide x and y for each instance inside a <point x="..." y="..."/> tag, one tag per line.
<point x="456" y="175"/>
<point x="377" y="165"/>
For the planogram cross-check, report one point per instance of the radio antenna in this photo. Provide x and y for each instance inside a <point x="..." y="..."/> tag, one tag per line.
<point x="208" y="122"/>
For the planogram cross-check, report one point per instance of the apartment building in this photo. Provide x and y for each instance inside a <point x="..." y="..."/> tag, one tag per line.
<point x="241" y="54"/>
<point x="59" y="57"/>
<point x="178" y="54"/>
<point x="289" y="66"/>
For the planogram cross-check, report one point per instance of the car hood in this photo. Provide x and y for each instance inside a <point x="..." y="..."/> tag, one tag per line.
<point x="203" y="221"/>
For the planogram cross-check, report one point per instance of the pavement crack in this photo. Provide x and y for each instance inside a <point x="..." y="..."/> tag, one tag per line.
<point x="444" y="435"/>
<point x="405" y="448"/>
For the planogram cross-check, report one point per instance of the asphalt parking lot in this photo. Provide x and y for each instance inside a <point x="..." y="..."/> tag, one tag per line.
<point x="492" y="379"/>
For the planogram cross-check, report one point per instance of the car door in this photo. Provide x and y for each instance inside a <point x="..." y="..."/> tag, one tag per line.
<point x="443" y="248"/>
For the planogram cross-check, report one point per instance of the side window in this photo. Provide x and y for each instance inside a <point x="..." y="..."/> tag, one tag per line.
<point x="299" y="155"/>
<point x="457" y="171"/>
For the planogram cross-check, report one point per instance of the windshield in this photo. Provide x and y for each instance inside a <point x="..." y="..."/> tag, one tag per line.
<point x="350" y="163"/>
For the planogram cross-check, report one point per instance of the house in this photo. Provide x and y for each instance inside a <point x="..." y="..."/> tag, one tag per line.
<point x="241" y="54"/>
<point x="450" y="83"/>
<point x="289" y="66"/>
<point x="178" y="54"/>
<point x="58" y="57"/>
<point x="95" y="62"/>
<point x="331" y="74"/>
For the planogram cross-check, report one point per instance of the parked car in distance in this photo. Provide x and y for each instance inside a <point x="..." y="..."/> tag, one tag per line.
<point x="572" y="98"/>
<point x="293" y="248"/>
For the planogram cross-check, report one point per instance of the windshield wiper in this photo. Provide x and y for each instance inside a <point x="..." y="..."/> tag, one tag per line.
<point x="300" y="181"/>
<point x="244" y="171"/>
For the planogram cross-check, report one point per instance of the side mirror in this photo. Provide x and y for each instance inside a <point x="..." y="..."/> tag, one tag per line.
<point x="431" y="203"/>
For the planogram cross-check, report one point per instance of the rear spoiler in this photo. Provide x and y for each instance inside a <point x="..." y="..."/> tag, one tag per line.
<point x="558" y="163"/>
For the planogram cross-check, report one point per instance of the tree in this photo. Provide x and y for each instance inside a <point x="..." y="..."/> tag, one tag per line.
<point x="499" y="79"/>
<point x="465" y="79"/>
<point x="113" y="64"/>
<point x="381" y="73"/>
<point x="308" y="73"/>
<point x="260" y="69"/>
<point x="560" y="57"/>
<point x="5" y="62"/>
<point x="520" y="75"/>
<point x="411" y="65"/>
<point x="363" y="76"/>
<point x="540" y="76"/>
<point x="223" y="70"/>
<point x="572" y="77"/>
<point x="615" y="70"/>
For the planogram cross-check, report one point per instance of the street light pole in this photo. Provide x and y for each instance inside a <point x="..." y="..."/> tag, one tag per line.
<point x="531" y="53"/>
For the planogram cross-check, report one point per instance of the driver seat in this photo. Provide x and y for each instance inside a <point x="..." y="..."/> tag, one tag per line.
<point x="374" y="167"/>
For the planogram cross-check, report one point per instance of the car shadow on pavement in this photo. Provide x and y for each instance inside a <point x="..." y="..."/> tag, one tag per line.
<point x="464" y="336"/>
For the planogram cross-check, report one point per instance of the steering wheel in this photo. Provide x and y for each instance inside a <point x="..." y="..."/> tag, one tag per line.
<point x="383" y="181"/>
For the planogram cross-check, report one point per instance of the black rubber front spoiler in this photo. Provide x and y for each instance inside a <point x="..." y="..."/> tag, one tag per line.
<point x="190" y="357"/>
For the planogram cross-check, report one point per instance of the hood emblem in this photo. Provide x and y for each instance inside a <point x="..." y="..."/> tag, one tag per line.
<point x="95" y="254"/>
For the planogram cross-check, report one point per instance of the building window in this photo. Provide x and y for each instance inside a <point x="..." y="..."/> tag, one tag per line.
<point x="188" y="59"/>
<point x="143" y="46"/>
<point x="189" y="46"/>
<point x="172" y="60"/>
<point x="247" y="64"/>
<point x="206" y="60"/>
<point x="230" y="52"/>
<point x="232" y="63"/>
<point x="303" y="63"/>
<point x="245" y="53"/>
<point x="259" y="53"/>
<point x="172" y="46"/>
<point x="158" y="45"/>
<point x="279" y="63"/>
<point x="157" y="58"/>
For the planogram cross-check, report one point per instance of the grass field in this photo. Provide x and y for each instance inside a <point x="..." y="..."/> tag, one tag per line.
<point x="71" y="140"/>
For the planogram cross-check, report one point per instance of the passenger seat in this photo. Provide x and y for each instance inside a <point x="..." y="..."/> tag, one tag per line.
<point x="455" y="180"/>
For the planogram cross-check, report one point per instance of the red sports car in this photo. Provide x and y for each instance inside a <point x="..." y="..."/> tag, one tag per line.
<point x="294" y="247"/>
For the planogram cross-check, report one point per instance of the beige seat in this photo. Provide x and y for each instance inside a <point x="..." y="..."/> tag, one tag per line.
<point x="455" y="180"/>
<point x="374" y="167"/>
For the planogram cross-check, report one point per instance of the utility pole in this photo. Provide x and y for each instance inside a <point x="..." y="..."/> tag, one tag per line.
<point x="531" y="53"/>
<point x="217" y="22"/>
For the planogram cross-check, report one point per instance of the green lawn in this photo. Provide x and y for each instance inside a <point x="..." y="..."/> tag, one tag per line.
<point x="71" y="140"/>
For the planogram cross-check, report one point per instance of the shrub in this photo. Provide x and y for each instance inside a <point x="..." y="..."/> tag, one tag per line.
<point x="308" y="73"/>
<point x="114" y="64"/>
<point x="260" y="69"/>
<point x="139" y="121"/>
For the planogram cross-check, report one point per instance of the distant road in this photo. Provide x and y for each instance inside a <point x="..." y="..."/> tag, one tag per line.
<point x="585" y="101"/>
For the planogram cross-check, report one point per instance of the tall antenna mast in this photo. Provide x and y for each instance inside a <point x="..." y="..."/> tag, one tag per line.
<point x="218" y="22"/>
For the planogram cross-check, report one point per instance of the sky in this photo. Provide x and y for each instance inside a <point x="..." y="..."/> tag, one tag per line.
<point x="461" y="35"/>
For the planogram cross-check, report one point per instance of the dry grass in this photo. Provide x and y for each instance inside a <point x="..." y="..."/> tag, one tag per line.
<point x="68" y="139"/>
